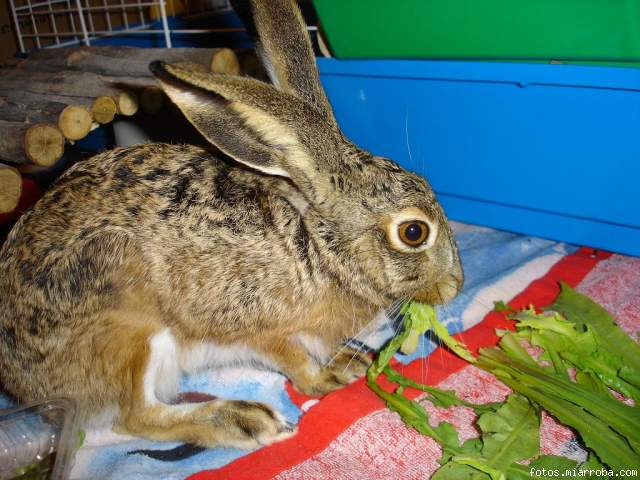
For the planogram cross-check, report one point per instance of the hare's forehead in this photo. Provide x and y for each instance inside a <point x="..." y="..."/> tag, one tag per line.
<point x="389" y="193"/>
<point x="379" y="179"/>
<point x="403" y="185"/>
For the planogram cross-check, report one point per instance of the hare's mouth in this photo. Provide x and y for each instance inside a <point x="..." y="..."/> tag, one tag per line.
<point x="440" y="292"/>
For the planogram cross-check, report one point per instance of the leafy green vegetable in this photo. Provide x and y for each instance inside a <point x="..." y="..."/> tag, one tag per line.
<point x="502" y="424"/>
<point x="581" y="310"/>
<point x="81" y="436"/>
<point x="420" y="317"/>
<point x="575" y="335"/>
<point x="414" y="415"/>
<point x="500" y="306"/>
<point x="603" y="422"/>
<point x="552" y="462"/>
<point x="511" y="433"/>
<point x="580" y="338"/>
<point x="412" y="412"/>
<point x="440" y="398"/>
<point x="479" y="464"/>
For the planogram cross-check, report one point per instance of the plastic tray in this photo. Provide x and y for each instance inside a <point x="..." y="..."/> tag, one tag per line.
<point x="38" y="441"/>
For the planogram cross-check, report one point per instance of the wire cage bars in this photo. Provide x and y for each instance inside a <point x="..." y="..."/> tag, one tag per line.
<point x="58" y="23"/>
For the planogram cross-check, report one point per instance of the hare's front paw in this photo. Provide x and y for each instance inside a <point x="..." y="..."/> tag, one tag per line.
<point x="344" y="368"/>
<point x="250" y="424"/>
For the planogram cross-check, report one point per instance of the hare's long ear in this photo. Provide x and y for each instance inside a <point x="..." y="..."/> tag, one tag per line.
<point x="249" y="120"/>
<point x="286" y="51"/>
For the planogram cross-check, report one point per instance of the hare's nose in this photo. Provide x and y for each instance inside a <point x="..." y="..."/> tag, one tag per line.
<point x="443" y="291"/>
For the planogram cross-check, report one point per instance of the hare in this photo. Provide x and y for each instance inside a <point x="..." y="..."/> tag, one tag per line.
<point x="146" y="262"/>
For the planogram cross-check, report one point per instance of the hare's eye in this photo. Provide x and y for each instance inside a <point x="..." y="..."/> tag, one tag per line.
<point x="413" y="233"/>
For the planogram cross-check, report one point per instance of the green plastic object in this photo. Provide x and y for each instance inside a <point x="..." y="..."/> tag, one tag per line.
<point x="603" y="31"/>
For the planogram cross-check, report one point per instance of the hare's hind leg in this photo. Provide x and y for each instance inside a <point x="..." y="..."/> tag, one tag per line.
<point x="154" y="373"/>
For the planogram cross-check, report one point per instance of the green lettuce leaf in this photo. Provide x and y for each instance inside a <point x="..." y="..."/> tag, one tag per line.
<point x="581" y="310"/>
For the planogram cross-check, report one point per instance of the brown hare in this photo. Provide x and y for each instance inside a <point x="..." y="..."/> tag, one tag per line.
<point x="146" y="262"/>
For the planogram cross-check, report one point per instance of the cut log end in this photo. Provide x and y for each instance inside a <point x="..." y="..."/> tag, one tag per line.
<point x="43" y="144"/>
<point x="10" y="188"/>
<point x="152" y="100"/>
<point x="127" y="103"/>
<point x="225" y="60"/>
<point x="75" y="122"/>
<point x="104" y="109"/>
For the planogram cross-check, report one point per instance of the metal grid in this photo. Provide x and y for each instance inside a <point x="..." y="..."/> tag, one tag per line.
<point x="57" y="23"/>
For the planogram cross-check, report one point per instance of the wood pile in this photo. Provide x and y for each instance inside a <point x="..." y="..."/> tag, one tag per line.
<point x="59" y="95"/>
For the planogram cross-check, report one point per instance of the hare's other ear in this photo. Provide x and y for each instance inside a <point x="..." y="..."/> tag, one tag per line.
<point x="286" y="52"/>
<point x="235" y="114"/>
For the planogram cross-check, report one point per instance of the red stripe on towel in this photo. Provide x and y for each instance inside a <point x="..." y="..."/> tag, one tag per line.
<point x="340" y="409"/>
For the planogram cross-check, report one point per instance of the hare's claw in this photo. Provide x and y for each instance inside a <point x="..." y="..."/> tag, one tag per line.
<point x="344" y="368"/>
<point x="255" y="423"/>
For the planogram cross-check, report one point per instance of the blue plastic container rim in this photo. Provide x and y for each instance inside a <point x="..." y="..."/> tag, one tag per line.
<point x="523" y="74"/>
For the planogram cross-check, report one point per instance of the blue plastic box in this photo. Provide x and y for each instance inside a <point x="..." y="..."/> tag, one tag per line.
<point x="546" y="150"/>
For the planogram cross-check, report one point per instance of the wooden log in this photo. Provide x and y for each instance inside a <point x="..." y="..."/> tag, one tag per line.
<point x="127" y="102"/>
<point x="20" y="84"/>
<point x="103" y="109"/>
<point x="25" y="143"/>
<point x="29" y="97"/>
<point x="10" y="188"/>
<point x="34" y="108"/>
<point x="43" y="144"/>
<point x="39" y="96"/>
<point x="225" y="60"/>
<point x="112" y="60"/>
<point x="75" y="122"/>
<point x="11" y="146"/>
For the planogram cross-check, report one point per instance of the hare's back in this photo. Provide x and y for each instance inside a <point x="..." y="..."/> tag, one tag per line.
<point x="125" y="188"/>
<point x="100" y="207"/>
<point x="133" y="201"/>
